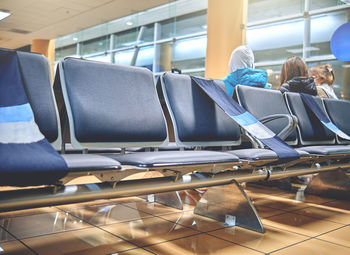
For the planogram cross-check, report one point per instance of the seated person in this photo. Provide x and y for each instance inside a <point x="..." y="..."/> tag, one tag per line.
<point x="324" y="79"/>
<point x="242" y="71"/>
<point x="294" y="77"/>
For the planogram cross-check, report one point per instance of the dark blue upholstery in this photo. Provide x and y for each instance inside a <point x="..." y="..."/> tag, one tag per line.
<point x="265" y="102"/>
<point x="113" y="103"/>
<point x="311" y="130"/>
<point x="173" y="158"/>
<point x="198" y="120"/>
<point x="36" y="78"/>
<point x="339" y="113"/>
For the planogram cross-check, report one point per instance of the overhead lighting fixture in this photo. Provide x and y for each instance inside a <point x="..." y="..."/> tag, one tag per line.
<point x="4" y="14"/>
<point x="129" y="23"/>
<point x="75" y="39"/>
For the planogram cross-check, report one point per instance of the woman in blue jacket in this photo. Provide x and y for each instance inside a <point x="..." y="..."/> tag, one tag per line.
<point x="242" y="71"/>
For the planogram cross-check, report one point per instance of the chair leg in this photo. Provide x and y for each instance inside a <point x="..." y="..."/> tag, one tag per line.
<point x="231" y="205"/>
<point x="334" y="184"/>
<point x="171" y="199"/>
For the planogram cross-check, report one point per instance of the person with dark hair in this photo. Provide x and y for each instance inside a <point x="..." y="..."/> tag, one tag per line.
<point x="324" y="79"/>
<point x="294" y="77"/>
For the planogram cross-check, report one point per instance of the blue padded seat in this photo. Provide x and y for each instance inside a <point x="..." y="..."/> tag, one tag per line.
<point x="35" y="71"/>
<point x="260" y="154"/>
<point x="311" y="130"/>
<point x="173" y="158"/>
<point x="265" y="102"/>
<point x="114" y="105"/>
<point x="36" y="78"/>
<point x="198" y="121"/>
<point x="339" y="113"/>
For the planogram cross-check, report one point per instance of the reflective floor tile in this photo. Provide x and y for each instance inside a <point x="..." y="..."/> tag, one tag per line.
<point x="306" y="198"/>
<point x="149" y="231"/>
<point x="28" y="212"/>
<point x="280" y="203"/>
<point x="191" y="220"/>
<point x="300" y="224"/>
<point x="108" y="214"/>
<point x="340" y="204"/>
<point x="5" y="236"/>
<point x="41" y="224"/>
<point x="85" y="241"/>
<point x="265" y="212"/>
<point x="14" y="248"/>
<point x="314" y="247"/>
<point x="271" y="240"/>
<point x="136" y="252"/>
<point x="70" y="207"/>
<point x="262" y="190"/>
<point x="199" y="244"/>
<point x="124" y="200"/>
<point x="152" y="208"/>
<point x="339" y="236"/>
<point x="325" y="212"/>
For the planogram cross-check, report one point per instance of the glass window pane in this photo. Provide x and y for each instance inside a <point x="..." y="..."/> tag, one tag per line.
<point x="273" y="75"/>
<point x="102" y="58"/>
<point x="319" y="4"/>
<point x="342" y="76"/>
<point x="266" y="9"/>
<point x="167" y="28"/>
<point x="125" y="38"/>
<point x="191" y="23"/>
<point x="276" y="41"/>
<point x="123" y="57"/>
<point x="183" y="54"/>
<point x="70" y="50"/>
<point x="96" y="45"/>
<point x="148" y="34"/>
<point x="145" y="57"/>
<point x="322" y="28"/>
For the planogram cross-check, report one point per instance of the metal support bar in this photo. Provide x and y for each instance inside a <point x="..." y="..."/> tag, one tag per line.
<point x="231" y="205"/>
<point x="335" y="184"/>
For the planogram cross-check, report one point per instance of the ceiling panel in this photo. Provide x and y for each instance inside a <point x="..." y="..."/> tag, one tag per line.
<point x="48" y="19"/>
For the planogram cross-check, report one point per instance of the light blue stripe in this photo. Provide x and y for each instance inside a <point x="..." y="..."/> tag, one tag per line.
<point x="330" y="126"/>
<point x="245" y="119"/>
<point x="17" y="113"/>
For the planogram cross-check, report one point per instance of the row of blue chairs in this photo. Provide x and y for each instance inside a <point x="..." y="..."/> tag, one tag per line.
<point x="111" y="108"/>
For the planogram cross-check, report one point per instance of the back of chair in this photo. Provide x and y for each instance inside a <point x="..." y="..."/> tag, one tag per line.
<point x="265" y="102"/>
<point x="311" y="130"/>
<point x="111" y="105"/>
<point x="36" y="76"/>
<point x="339" y="113"/>
<point x="197" y="120"/>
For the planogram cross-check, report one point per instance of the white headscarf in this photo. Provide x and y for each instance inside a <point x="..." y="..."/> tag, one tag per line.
<point x="241" y="57"/>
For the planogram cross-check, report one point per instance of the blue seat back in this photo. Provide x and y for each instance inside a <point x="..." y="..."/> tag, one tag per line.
<point x="111" y="105"/>
<point x="311" y="130"/>
<point x="197" y="120"/>
<point x="265" y="102"/>
<point x="339" y="113"/>
<point x="36" y="76"/>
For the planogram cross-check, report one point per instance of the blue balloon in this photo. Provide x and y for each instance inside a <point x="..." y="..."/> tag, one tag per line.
<point x="340" y="42"/>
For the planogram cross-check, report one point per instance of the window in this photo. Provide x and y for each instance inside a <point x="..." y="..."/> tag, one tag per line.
<point x="70" y="50"/>
<point x="96" y="45"/>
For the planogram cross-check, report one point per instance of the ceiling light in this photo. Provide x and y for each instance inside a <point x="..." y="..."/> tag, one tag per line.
<point x="4" y="14"/>
<point x="129" y="23"/>
<point x="75" y="39"/>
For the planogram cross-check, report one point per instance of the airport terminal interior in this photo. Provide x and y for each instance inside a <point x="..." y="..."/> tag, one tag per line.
<point x="151" y="155"/>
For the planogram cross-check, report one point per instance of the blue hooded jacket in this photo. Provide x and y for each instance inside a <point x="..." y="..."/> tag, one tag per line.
<point x="245" y="76"/>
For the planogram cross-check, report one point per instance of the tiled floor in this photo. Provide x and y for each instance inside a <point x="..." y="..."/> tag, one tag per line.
<point x="315" y="225"/>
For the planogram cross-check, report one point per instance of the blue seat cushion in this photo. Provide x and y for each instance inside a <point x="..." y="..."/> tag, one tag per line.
<point x="260" y="154"/>
<point x="326" y="149"/>
<point x="173" y="158"/>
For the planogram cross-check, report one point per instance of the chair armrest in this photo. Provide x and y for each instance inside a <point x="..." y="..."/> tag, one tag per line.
<point x="286" y="131"/>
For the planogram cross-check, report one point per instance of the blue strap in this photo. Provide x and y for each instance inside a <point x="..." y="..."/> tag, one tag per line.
<point x="26" y="157"/>
<point x="313" y="106"/>
<point x="247" y="121"/>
